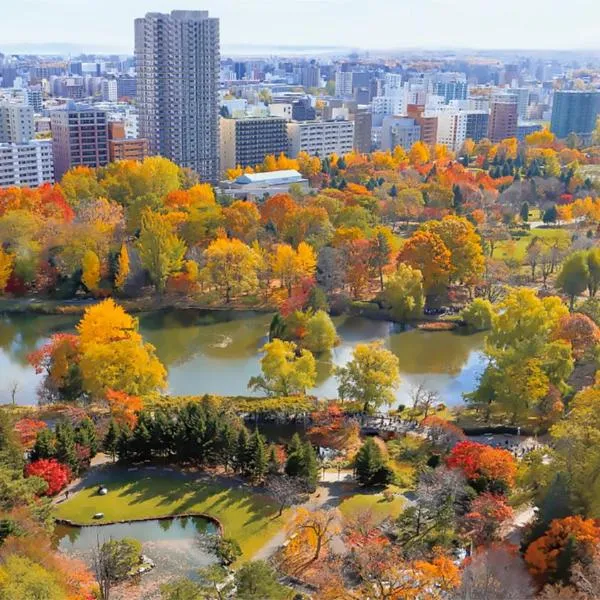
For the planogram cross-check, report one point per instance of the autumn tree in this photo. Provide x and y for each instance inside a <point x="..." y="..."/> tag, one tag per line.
<point x="580" y="331"/>
<point x="464" y="244"/>
<point x="479" y="315"/>
<point x="114" y="355"/>
<point x="311" y="533"/>
<point x="370" y="377"/>
<point x="6" y="266"/>
<point x="55" y="474"/>
<point x="574" y="275"/>
<point x="286" y="491"/>
<point x="123" y="268"/>
<point x="418" y="154"/>
<point x="567" y="540"/>
<point x="525" y="359"/>
<point x="488" y="468"/>
<point x="487" y="515"/>
<point x="284" y="371"/>
<point x="495" y="572"/>
<point x="91" y="270"/>
<point x="242" y="220"/>
<point x="403" y="292"/>
<point x="426" y="252"/>
<point x="321" y="334"/>
<point x="231" y="267"/>
<point x="290" y="266"/>
<point x="161" y="251"/>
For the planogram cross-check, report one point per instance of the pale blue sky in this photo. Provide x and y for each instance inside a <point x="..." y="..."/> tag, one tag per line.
<point x="563" y="24"/>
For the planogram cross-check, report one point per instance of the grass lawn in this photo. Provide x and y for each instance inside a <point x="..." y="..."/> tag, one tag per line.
<point x="375" y="503"/>
<point x="517" y="248"/>
<point x="246" y="517"/>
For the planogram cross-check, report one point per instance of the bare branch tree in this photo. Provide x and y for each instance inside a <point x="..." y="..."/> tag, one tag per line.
<point x="286" y="491"/>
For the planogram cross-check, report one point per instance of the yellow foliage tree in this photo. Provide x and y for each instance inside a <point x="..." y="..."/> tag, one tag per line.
<point x="91" y="270"/>
<point x="6" y="266"/>
<point x="419" y="154"/>
<point x="114" y="355"/>
<point x="290" y="266"/>
<point x="123" y="268"/>
<point x="231" y="266"/>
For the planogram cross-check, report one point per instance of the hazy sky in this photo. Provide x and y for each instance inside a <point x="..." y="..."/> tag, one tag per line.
<point x="523" y="24"/>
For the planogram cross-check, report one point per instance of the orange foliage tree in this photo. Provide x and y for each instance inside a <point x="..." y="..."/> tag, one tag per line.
<point x="332" y="429"/>
<point x="490" y="468"/>
<point x="580" y="331"/>
<point x="27" y="430"/>
<point x="427" y="252"/>
<point x="487" y="515"/>
<point x="573" y="538"/>
<point x="123" y="407"/>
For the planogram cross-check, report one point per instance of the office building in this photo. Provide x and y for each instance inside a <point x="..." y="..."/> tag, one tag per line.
<point x="428" y="125"/>
<point x="575" y="112"/>
<point x="310" y="76"/>
<point x="363" y="122"/>
<point x="399" y="131"/>
<point x="321" y="138"/>
<point x="34" y="99"/>
<point x="450" y="89"/>
<point x="122" y="148"/>
<point x="178" y="63"/>
<point x="16" y="123"/>
<point x="246" y="141"/>
<point x="109" y="90"/>
<point x="126" y="87"/>
<point x="477" y="124"/>
<point x="503" y="118"/>
<point x="27" y="164"/>
<point x="80" y="135"/>
<point x="302" y="110"/>
<point x="343" y="84"/>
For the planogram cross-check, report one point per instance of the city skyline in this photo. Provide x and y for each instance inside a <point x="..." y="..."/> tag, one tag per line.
<point x="316" y="24"/>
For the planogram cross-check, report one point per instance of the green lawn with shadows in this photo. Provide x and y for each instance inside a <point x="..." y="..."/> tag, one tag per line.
<point x="374" y="503"/>
<point x="249" y="518"/>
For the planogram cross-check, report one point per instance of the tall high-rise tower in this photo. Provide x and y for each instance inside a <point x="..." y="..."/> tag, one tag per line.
<point x="177" y="62"/>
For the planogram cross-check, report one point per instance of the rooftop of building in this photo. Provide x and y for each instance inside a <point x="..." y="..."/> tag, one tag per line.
<point x="270" y="177"/>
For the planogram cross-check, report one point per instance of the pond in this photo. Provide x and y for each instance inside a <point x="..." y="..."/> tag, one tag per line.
<point x="173" y="544"/>
<point x="218" y="351"/>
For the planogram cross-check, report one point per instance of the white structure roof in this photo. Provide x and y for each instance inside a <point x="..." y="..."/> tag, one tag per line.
<point x="271" y="178"/>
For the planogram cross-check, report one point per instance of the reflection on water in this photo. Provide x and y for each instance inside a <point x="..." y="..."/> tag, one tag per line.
<point x="173" y="544"/>
<point x="217" y="352"/>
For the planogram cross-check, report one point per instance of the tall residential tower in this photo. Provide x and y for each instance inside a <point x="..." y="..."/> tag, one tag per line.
<point x="177" y="62"/>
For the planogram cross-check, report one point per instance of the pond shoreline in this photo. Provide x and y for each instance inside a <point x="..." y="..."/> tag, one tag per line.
<point x="186" y="515"/>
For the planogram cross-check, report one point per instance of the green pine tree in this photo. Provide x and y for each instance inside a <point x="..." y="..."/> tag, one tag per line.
<point x="111" y="439"/>
<point x="370" y="465"/>
<point x="310" y="466"/>
<point x="258" y="457"/>
<point x="65" y="446"/>
<point x="242" y="460"/>
<point x="44" y="446"/>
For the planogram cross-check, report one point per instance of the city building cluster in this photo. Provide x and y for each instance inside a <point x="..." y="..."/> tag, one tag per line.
<point x="178" y="97"/>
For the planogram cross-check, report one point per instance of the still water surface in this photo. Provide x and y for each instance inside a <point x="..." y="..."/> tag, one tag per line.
<point x="217" y="352"/>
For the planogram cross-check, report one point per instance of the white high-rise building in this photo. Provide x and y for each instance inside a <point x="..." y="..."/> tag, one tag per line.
<point x="23" y="160"/>
<point x="16" y="123"/>
<point x="109" y="90"/>
<point x="321" y="138"/>
<point x="28" y="164"/>
<point x="178" y="62"/>
<point x="343" y="84"/>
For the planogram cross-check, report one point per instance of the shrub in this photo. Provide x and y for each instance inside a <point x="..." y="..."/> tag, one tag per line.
<point x="55" y="474"/>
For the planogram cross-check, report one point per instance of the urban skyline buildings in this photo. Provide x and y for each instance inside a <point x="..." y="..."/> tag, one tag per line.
<point x="178" y="62"/>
